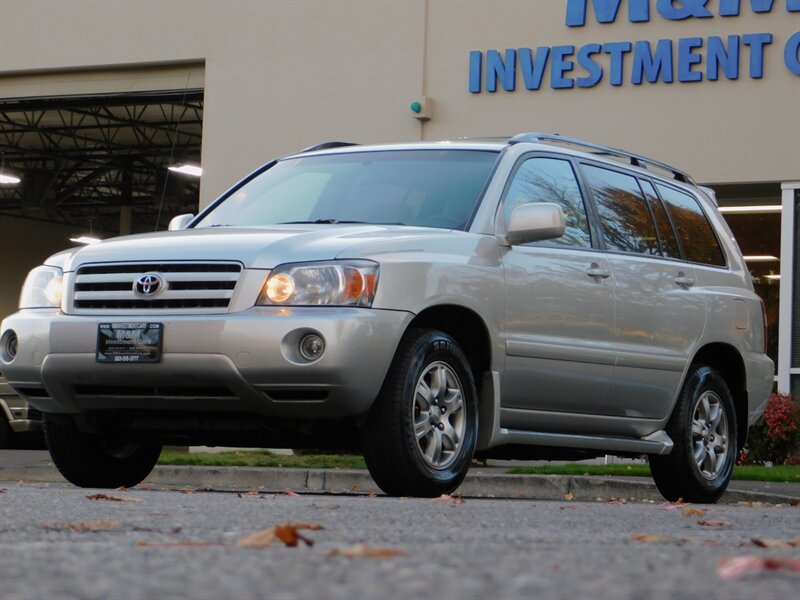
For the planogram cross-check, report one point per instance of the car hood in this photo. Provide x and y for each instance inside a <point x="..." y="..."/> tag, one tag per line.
<point x="256" y="247"/>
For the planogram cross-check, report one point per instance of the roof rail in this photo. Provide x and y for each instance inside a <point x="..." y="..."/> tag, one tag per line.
<point x="635" y="159"/>
<point x="327" y="146"/>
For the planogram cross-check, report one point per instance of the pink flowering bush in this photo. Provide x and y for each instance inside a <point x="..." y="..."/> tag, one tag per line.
<point x="775" y="434"/>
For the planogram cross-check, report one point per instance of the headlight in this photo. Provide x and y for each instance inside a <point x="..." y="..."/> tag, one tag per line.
<point x="334" y="283"/>
<point x="42" y="288"/>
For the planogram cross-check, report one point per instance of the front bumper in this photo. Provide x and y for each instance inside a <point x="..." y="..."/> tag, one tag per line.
<point x="238" y="362"/>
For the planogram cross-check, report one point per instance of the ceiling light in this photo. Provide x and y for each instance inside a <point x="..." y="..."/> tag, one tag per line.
<point x="764" y="208"/>
<point x="85" y="239"/>
<point x="760" y="258"/>
<point x="187" y="169"/>
<point x="772" y="276"/>
<point x="9" y="179"/>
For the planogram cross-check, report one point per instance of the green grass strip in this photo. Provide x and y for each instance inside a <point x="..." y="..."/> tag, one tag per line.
<point x="262" y="458"/>
<point x="783" y="473"/>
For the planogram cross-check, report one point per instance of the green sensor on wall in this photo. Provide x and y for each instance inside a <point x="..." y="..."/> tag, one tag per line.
<point x="416" y="107"/>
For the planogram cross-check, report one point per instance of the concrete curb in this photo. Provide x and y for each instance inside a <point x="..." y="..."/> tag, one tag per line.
<point x="346" y="481"/>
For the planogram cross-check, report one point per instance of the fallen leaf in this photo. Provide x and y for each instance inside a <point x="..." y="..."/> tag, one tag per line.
<point x="450" y="499"/>
<point x="187" y="544"/>
<point x="288" y="533"/>
<point x="569" y="496"/>
<point x="752" y="504"/>
<point x="363" y="550"/>
<point x="81" y="526"/>
<point x="3" y="490"/>
<point x="719" y="523"/>
<point x="694" y="512"/>
<point x="250" y="493"/>
<point x="674" y="505"/>
<point x="739" y="566"/>
<point x="617" y="501"/>
<point x="121" y="488"/>
<point x="186" y="490"/>
<point x="372" y="494"/>
<point x="111" y="498"/>
<point x="651" y="538"/>
<point x="291" y="494"/>
<point x="766" y="543"/>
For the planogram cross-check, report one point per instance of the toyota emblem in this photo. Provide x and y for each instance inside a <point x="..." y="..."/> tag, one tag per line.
<point x="148" y="285"/>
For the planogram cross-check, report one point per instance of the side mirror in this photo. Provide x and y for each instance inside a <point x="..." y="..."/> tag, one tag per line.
<point x="180" y="222"/>
<point x="534" y="222"/>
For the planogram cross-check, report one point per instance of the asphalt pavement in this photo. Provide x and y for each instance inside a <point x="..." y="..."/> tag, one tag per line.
<point x="487" y="481"/>
<point x="59" y="541"/>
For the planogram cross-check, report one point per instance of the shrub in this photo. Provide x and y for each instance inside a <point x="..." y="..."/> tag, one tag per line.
<point x="776" y="433"/>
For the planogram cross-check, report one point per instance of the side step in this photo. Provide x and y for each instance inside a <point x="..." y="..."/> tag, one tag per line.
<point x="657" y="442"/>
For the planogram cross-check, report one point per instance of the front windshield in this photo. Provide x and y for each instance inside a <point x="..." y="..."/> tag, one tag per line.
<point x="425" y="188"/>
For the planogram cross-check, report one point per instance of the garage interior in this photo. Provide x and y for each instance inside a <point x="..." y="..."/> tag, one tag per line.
<point x="100" y="163"/>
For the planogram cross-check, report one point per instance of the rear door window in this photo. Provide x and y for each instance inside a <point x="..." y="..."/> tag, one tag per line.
<point x="669" y="243"/>
<point x="624" y="215"/>
<point x="700" y="245"/>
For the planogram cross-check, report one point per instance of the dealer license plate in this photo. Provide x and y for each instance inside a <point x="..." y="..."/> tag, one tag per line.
<point x="129" y="342"/>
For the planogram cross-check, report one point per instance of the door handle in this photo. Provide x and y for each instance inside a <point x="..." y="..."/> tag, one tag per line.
<point x="684" y="281"/>
<point x="595" y="271"/>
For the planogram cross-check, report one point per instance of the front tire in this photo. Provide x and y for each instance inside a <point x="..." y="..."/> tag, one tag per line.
<point x="92" y="461"/>
<point x="420" y="435"/>
<point x="703" y="428"/>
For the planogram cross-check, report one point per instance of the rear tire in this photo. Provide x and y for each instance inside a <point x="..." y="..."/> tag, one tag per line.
<point x="703" y="428"/>
<point x="93" y="461"/>
<point x="421" y="432"/>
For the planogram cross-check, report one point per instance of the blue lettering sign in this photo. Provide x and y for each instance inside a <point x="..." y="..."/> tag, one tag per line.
<point x="757" y="41"/>
<point x="533" y="69"/>
<point x="475" y="64"/>
<point x="687" y="57"/>
<point x="678" y="10"/>
<point x="720" y="56"/>
<point x="617" y="50"/>
<point x="791" y="54"/>
<point x="497" y="68"/>
<point x="594" y="70"/>
<point x="560" y="65"/>
<point x="606" y="11"/>
<point x="652" y="65"/>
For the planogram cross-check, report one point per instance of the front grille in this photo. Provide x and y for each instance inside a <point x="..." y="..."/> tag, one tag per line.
<point x="189" y="287"/>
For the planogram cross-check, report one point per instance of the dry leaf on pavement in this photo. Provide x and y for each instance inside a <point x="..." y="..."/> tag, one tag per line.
<point x="694" y="512"/>
<point x="292" y="494"/>
<point x="449" y="499"/>
<point x="569" y="496"/>
<point x="766" y="543"/>
<point x="739" y="566"/>
<point x="363" y="550"/>
<point x="718" y="523"/>
<point x="187" y="544"/>
<point x="288" y="533"/>
<point x="652" y="538"/>
<point x="96" y="525"/>
<point x="111" y="498"/>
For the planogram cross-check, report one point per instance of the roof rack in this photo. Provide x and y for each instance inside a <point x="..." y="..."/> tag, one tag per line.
<point x="327" y="146"/>
<point x="635" y="159"/>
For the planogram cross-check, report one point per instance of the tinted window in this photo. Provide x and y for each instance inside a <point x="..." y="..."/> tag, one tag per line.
<point x="697" y="238"/>
<point x="551" y="180"/>
<point x="427" y="188"/>
<point x="624" y="215"/>
<point x="669" y="243"/>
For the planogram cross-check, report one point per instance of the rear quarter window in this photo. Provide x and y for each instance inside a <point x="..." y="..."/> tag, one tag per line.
<point x="700" y="244"/>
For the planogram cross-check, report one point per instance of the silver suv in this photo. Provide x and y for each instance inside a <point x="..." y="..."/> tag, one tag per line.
<point x="425" y="303"/>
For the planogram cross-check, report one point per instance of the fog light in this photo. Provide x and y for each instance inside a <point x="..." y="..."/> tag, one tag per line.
<point x="312" y="346"/>
<point x="9" y="347"/>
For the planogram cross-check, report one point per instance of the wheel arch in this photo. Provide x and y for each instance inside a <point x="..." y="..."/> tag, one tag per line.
<point x="728" y="361"/>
